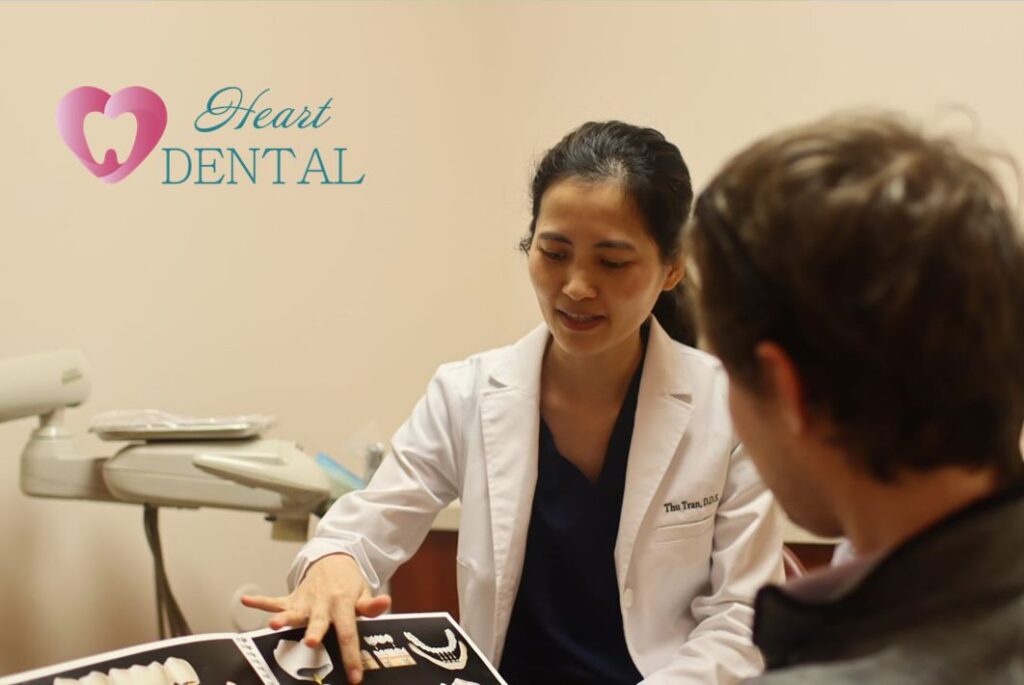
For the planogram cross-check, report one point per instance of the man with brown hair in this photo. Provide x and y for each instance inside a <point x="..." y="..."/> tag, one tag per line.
<point x="863" y="285"/>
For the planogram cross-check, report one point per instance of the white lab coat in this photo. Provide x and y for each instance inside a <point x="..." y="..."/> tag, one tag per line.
<point x="698" y="533"/>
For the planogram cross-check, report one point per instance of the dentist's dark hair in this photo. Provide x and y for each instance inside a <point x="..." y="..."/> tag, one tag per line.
<point x="652" y="171"/>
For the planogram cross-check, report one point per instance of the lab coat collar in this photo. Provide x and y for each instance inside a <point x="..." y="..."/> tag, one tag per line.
<point x="663" y="374"/>
<point x="510" y="417"/>
<point x="521" y="367"/>
<point x="662" y="415"/>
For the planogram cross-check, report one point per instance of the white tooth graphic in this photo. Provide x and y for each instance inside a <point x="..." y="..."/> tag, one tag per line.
<point x="94" y="678"/>
<point x="378" y="640"/>
<point x="302" y="662"/>
<point x="156" y="674"/>
<point x="119" y="676"/>
<point x="394" y="657"/>
<point x="145" y="675"/>
<point x="180" y="671"/>
<point x="452" y="656"/>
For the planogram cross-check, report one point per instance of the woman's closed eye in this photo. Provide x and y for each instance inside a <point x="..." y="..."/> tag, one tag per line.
<point x="553" y="255"/>
<point x="615" y="264"/>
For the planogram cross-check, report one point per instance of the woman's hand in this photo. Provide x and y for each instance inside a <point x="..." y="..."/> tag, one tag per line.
<point x="333" y="591"/>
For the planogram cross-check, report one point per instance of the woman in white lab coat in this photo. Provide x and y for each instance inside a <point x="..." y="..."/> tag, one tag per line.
<point x="612" y="530"/>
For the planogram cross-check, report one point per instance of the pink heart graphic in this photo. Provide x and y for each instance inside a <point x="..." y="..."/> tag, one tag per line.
<point x="150" y="118"/>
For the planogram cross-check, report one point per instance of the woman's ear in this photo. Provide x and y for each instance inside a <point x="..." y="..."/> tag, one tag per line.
<point x="675" y="273"/>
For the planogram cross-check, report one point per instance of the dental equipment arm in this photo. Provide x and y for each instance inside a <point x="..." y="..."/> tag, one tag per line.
<point x="45" y="384"/>
<point x="175" y="465"/>
<point x="253" y="474"/>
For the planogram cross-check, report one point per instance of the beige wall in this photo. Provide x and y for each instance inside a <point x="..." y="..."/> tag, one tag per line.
<point x="330" y="307"/>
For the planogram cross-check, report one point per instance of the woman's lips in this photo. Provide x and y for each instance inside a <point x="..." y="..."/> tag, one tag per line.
<point x="579" y="322"/>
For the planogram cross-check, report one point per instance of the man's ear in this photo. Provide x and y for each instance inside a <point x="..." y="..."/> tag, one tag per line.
<point x="675" y="273"/>
<point x="784" y="384"/>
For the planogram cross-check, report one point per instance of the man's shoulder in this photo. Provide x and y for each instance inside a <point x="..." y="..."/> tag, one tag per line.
<point x="980" y="646"/>
<point x="933" y="671"/>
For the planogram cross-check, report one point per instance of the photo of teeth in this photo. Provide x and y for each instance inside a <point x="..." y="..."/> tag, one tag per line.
<point x="174" y="671"/>
<point x="453" y="656"/>
<point x="369" y="663"/>
<point x="302" y="662"/>
<point x="394" y="657"/>
<point x="392" y="650"/>
<point x="378" y="640"/>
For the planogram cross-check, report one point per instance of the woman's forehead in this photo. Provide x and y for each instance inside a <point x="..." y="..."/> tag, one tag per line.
<point x="601" y="211"/>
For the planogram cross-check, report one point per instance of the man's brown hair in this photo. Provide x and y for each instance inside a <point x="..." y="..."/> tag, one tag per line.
<point x="887" y="264"/>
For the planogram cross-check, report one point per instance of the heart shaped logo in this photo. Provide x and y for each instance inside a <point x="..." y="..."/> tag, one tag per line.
<point x="150" y="118"/>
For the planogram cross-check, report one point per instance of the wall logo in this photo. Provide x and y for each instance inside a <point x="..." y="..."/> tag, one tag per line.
<point x="150" y="117"/>
<point x="227" y="110"/>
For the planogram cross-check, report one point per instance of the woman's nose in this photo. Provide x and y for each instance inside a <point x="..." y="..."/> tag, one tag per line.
<point x="579" y="286"/>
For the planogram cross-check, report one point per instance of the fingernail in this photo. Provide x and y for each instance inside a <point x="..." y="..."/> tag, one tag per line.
<point x="354" y="676"/>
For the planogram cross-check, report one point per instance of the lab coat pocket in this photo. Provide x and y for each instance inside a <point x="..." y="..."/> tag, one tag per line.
<point x="666" y="535"/>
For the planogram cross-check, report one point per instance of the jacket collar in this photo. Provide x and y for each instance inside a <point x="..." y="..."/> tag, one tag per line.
<point x="510" y="417"/>
<point x="970" y="559"/>
<point x="520" y="367"/>
<point x="510" y="420"/>
<point x="662" y="415"/>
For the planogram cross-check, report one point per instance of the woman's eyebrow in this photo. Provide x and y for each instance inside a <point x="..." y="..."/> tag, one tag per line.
<point x="617" y="245"/>
<point x="551" y="235"/>
<point x="608" y="244"/>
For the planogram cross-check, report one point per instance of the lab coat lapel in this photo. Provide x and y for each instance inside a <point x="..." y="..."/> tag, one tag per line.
<point x="510" y="417"/>
<point x="662" y="414"/>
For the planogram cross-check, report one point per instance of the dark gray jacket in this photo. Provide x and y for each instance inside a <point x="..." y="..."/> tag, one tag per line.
<point x="945" y="607"/>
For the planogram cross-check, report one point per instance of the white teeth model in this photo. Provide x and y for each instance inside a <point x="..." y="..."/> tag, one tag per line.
<point x="302" y="662"/>
<point x="180" y="672"/>
<point x="453" y="656"/>
<point x="94" y="678"/>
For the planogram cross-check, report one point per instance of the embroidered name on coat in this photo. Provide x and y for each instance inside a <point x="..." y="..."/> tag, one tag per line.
<point x="684" y="505"/>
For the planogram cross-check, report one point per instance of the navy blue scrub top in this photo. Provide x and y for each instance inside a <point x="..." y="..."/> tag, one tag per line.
<point x="566" y="625"/>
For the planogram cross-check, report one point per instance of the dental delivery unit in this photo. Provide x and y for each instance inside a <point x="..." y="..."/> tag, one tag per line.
<point x="168" y="461"/>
